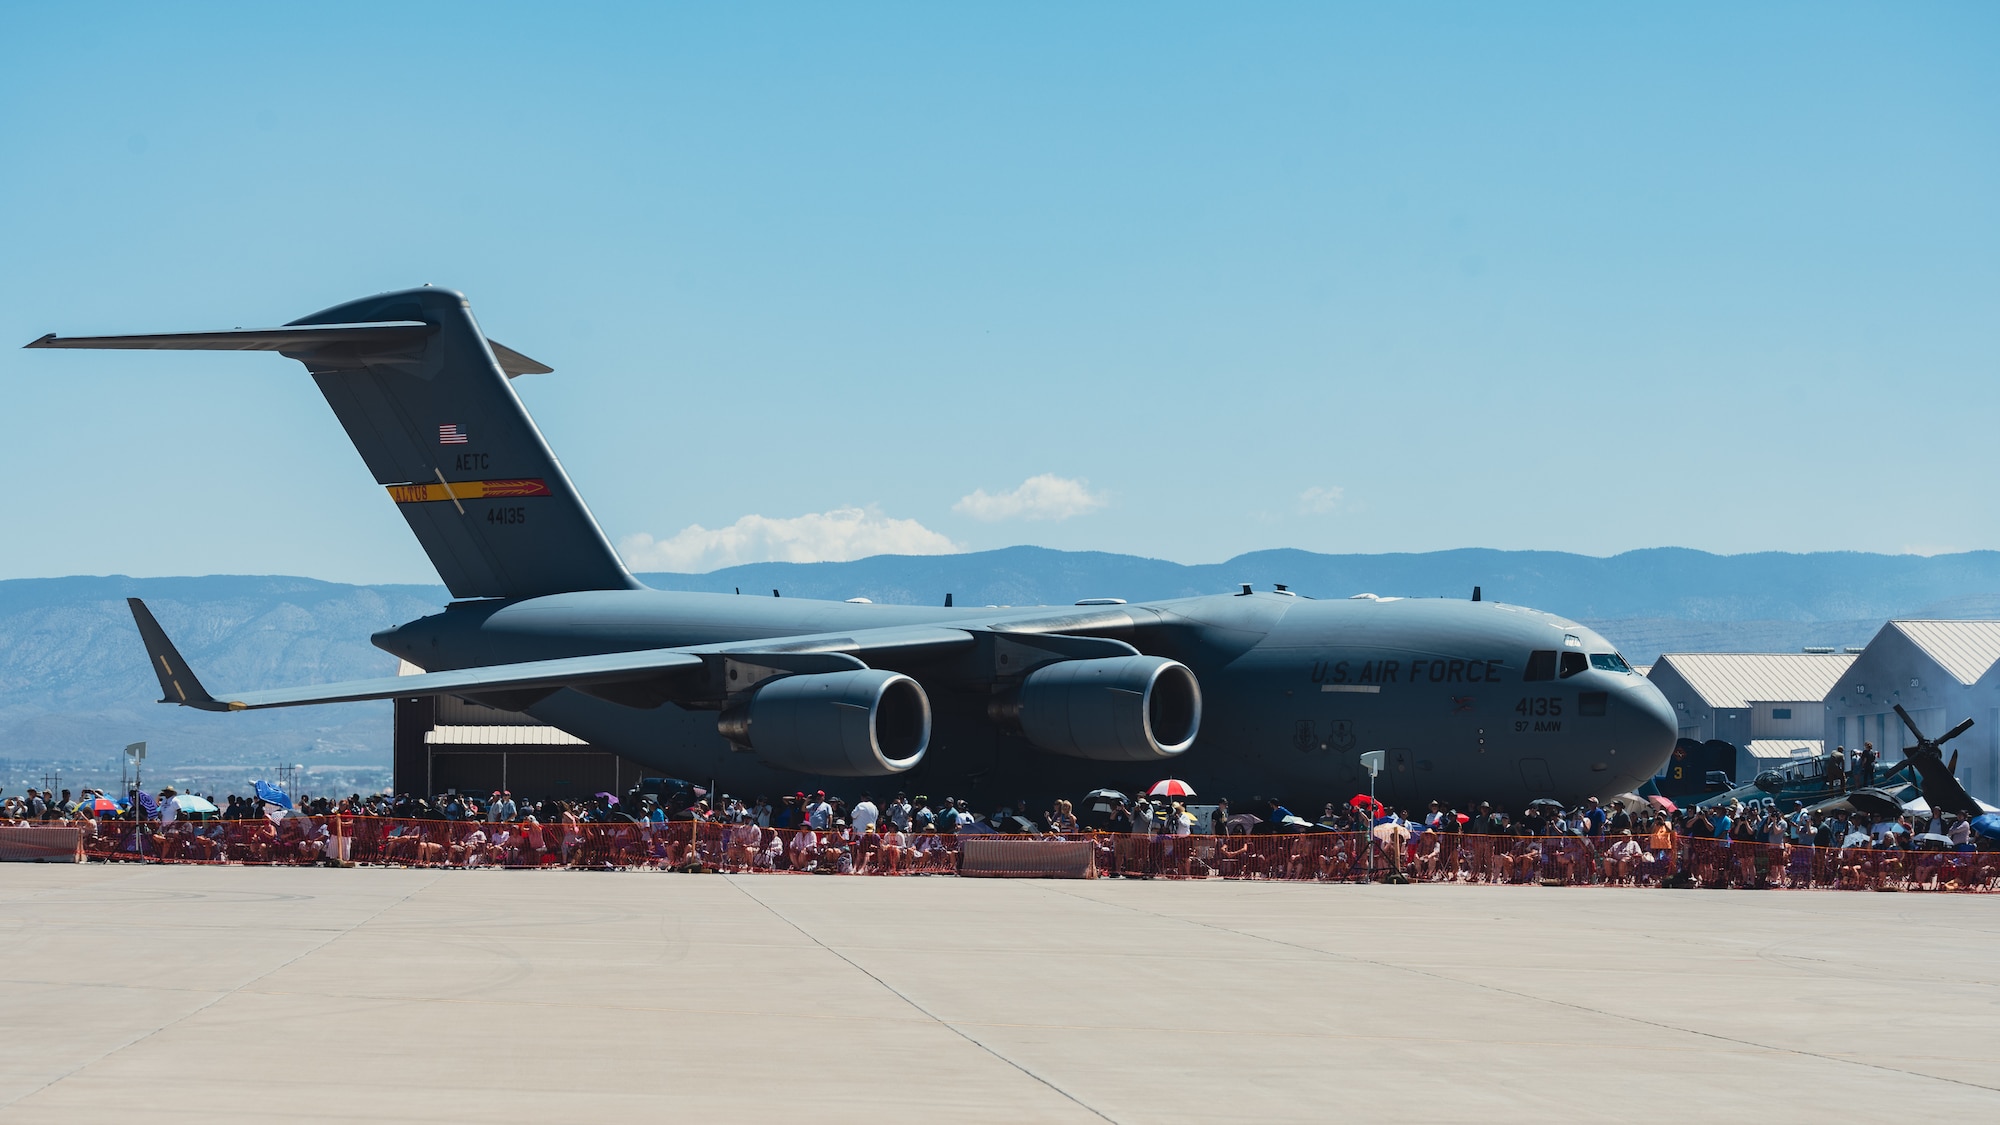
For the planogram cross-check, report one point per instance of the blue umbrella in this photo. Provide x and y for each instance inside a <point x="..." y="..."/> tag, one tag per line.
<point x="271" y="794"/>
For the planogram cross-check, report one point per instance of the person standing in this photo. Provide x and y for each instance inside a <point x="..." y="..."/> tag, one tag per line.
<point x="1864" y="765"/>
<point x="864" y="815"/>
<point x="1121" y="820"/>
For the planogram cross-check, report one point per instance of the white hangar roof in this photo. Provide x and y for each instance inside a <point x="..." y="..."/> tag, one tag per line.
<point x="1966" y="649"/>
<point x="1738" y="679"/>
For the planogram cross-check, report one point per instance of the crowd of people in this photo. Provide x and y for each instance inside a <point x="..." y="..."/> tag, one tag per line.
<point x="1642" y="842"/>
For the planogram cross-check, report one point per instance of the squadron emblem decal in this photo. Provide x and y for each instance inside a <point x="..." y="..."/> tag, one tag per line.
<point x="1341" y="737"/>
<point x="1305" y="736"/>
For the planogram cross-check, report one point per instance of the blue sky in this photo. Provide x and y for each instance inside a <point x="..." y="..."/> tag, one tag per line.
<point x="1182" y="281"/>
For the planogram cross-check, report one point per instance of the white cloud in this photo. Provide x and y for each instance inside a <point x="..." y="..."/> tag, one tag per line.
<point x="835" y="536"/>
<point x="1321" y="499"/>
<point x="1045" y="497"/>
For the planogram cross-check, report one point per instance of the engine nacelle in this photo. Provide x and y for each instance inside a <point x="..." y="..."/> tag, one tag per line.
<point x="861" y="723"/>
<point x="1119" y="709"/>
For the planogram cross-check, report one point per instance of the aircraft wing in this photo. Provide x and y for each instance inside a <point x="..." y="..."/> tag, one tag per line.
<point x="178" y="683"/>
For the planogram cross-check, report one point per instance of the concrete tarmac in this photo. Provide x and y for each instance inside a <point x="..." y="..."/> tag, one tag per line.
<point x="219" y="994"/>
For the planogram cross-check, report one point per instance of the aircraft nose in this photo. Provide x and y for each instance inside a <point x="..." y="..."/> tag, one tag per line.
<point x="1648" y="728"/>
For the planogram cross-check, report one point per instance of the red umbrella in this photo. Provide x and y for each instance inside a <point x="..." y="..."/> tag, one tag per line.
<point x="1363" y="800"/>
<point x="1663" y="803"/>
<point x="1462" y="818"/>
<point x="1171" y="788"/>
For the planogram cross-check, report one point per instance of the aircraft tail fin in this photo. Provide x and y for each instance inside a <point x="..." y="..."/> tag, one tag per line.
<point x="425" y="397"/>
<point x="177" y="681"/>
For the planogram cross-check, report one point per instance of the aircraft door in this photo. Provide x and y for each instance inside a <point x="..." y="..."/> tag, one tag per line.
<point x="1535" y="775"/>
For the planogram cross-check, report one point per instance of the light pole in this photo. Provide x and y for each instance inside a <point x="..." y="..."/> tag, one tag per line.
<point x="1372" y="762"/>
<point x="137" y="752"/>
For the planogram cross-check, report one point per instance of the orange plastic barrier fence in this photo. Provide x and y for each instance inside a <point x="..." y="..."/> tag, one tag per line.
<point x="1012" y="857"/>
<point x="1306" y="856"/>
<point x="54" y="843"/>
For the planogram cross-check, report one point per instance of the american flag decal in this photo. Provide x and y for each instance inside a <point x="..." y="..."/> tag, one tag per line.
<point x="450" y="434"/>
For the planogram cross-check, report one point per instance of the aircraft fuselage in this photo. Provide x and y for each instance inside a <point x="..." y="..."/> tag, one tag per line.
<point x="1294" y="690"/>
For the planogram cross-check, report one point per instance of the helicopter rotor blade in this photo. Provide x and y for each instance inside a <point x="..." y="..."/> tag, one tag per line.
<point x="1909" y="722"/>
<point x="1954" y="732"/>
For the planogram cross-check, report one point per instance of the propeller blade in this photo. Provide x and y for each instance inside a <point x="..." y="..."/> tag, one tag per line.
<point x="1955" y="732"/>
<point x="1909" y="722"/>
<point x="1953" y="767"/>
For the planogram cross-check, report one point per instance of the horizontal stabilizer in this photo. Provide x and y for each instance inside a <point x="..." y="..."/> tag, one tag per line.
<point x="360" y="339"/>
<point x="514" y="363"/>
<point x="383" y="336"/>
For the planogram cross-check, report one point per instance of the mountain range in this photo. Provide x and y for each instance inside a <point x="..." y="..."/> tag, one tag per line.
<point x="74" y="687"/>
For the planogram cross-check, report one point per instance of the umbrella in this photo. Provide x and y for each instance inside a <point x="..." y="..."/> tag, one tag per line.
<point x="1243" y="823"/>
<point x="1987" y="825"/>
<point x="1392" y="833"/>
<point x="1101" y="800"/>
<point x="100" y="805"/>
<point x="1171" y="788"/>
<point x="189" y="803"/>
<point x="608" y="798"/>
<point x="1663" y="803"/>
<point x="271" y="794"/>
<point x="1936" y="838"/>
<point x="1363" y="800"/>
<point x="1855" y="837"/>
<point x="1298" y="822"/>
<point x="1546" y="803"/>
<point x="1017" y="824"/>
<point x="1875" y="802"/>
<point x="1464" y="819"/>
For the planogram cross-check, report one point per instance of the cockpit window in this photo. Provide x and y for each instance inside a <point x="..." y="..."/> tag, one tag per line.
<point x="1573" y="663"/>
<point x="1541" y="665"/>
<point x="1609" y="661"/>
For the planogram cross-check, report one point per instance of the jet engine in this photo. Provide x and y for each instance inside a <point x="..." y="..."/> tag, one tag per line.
<point x="860" y="723"/>
<point x="1119" y="709"/>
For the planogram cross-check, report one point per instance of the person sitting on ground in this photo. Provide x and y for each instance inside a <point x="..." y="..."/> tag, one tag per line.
<point x="866" y="844"/>
<point x="1430" y="852"/>
<point x="836" y="851"/>
<point x="1621" y="859"/>
<point x="1526" y="848"/>
<point x="745" y="841"/>
<point x="892" y="850"/>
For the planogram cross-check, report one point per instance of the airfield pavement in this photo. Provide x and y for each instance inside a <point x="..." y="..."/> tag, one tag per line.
<point x="238" y="993"/>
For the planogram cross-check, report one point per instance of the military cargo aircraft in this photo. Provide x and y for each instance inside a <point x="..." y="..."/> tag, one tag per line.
<point x="1251" y="692"/>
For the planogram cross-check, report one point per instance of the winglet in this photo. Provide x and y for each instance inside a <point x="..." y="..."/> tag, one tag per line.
<point x="177" y="681"/>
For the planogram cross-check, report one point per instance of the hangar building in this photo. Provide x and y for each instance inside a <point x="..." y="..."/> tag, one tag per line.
<point x="1770" y="705"/>
<point x="1941" y="672"/>
<point x="446" y="745"/>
